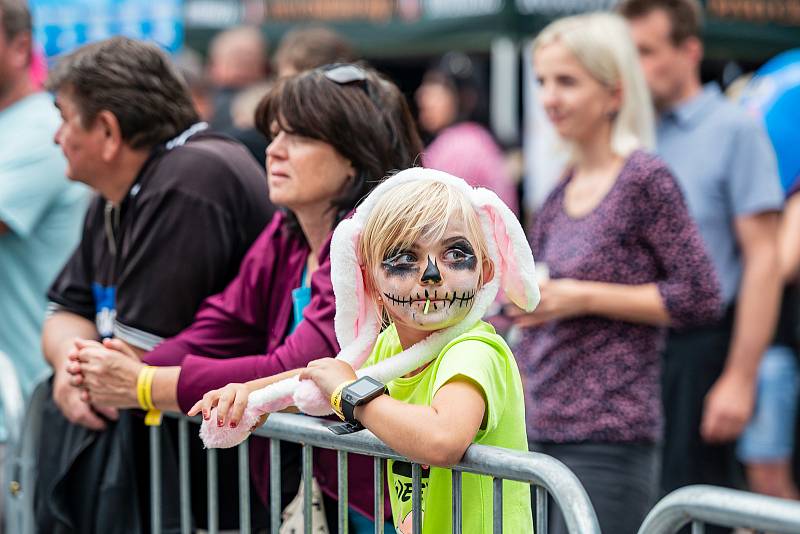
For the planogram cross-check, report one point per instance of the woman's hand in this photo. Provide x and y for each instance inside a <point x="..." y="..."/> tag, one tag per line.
<point x="107" y="372"/>
<point x="230" y="402"/>
<point x="328" y="373"/>
<point x="561" y="298"/>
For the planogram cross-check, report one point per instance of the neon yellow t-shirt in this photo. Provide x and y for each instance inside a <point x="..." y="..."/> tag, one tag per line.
<point x="483" y="357"/>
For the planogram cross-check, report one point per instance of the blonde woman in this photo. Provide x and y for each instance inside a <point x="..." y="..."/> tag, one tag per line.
<point x="625" y="260"/>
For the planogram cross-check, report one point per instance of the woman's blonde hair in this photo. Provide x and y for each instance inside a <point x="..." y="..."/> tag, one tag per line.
<point x="416" y="211"/>
<point x="602" y="43"/>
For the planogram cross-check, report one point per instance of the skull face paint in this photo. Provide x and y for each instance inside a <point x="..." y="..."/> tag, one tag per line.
<point x="430" y="286"/>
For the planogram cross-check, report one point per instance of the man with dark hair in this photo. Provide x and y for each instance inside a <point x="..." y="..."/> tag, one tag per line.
<point x="727" y="170"/>
<point x="177" y="209"/>
<point x="40" y="210"/>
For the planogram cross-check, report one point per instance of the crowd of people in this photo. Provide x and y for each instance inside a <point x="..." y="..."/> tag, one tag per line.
<point x="214" y="200"/>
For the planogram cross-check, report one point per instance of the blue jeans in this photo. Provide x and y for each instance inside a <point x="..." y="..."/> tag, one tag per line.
<point x="769" y="437"/>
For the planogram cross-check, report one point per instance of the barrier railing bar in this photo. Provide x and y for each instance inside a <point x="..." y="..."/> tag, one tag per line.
<point x="541" y="510"/>
<point x="213" y="502"/>
<point x="183" y="476"/>
<point x="307" y="487"/>
<point x="456" y="493"/>
<point x="275" y="485"/>
<point x="377" y="480"/>
<point x="497" y="505"/>
<point x="155" y="479"/>
<point x="341" y="465"/>
<point x="244" y="487"/>
<point x="698" y="527"/>
<point x="532" y="468"/>
<point x="724" y="507"/>
<point x="416" y="497"/>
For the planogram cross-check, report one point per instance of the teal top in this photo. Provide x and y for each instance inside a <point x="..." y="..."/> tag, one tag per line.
<point x="301" y="296"/>
<point x="43" y="211"/>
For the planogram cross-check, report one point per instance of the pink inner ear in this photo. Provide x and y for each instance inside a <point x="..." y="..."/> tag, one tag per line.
<point x="506" y="265"/>
<point x="362" y="306"/>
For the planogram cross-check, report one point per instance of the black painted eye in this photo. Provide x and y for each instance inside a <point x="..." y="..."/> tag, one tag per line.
<point x="401" y="258"/>
<point x="455" y="254"/>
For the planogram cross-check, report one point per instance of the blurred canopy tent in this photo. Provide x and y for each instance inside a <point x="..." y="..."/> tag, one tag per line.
<point x="736" y="29"/>
<point x="774" y="94"/>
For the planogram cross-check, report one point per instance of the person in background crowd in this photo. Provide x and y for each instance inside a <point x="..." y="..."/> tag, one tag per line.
<point x="310" y="47"/>
<point x="237" y="59"/>
<point x="189" y="64"/>
<point x="767" y="442"/>
<point x="766" y="446"/>
<point x="176" y="210"/>
<point x="243" y="129"/>
<point x="40" y="210"/>
<point x="726" y="168"/>
<point x="299" y="50"/>
<point x="625" y="260"/>
<point x="353" y="128"/>
<point x="447" y="100"/>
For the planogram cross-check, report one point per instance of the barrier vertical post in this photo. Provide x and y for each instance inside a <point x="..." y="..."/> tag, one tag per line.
<point x="497" y="505"/>
<point x="244" y="487"/>
<point x="155" y="479"/>
<point x="307" y="487"/>
<point x="377" y="479"/>
<point x="541" y="510"/>
<point x="213" y="487"/>
<point x="416" y="497"/>
<point x="341" y="457"/>
<point x="275" y="485"/>
<point x="456" y="494"/>
<point x="183" y="476"/>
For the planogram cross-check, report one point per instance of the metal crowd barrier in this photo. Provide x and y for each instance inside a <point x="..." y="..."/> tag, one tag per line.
<point x="701" y="505"/>
<point x="698" y="505"/>
<point x="547" y="475"/>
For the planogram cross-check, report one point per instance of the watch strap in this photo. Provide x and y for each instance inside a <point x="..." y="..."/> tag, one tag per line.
<point x="348" y="401"/>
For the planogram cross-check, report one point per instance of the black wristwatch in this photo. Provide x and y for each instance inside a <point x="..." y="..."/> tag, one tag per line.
<point x="355" y="394"/>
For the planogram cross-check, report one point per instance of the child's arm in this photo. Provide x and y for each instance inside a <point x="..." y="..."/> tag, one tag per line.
<point x="231" y="400"/>
<point x="438" y="434"/>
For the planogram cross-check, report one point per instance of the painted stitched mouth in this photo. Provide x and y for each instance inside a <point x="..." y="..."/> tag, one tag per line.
<point x="449" y="298"/>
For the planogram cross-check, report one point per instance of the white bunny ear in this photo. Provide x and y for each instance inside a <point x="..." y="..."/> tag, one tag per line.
<point x="513" y="259"/>
<point x="355" y="322"/>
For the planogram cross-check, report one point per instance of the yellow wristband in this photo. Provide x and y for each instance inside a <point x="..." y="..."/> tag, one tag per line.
<point x="336" y="398"/>
<point x="148" y="387"/>
<point x="141" y="386"/>
<point x="144" y="394"/>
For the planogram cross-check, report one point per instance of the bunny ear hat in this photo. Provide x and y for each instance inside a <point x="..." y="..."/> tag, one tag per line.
<point x="356" y="323"/>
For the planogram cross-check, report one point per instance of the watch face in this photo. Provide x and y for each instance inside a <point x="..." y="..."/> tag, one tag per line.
<point x="360" y="388"/>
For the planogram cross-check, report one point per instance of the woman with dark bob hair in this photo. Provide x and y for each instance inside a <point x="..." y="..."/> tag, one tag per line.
<point x="335" y="132"/>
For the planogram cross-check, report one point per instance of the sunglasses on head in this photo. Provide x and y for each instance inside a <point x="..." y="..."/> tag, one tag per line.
<point x="347" y="74"/>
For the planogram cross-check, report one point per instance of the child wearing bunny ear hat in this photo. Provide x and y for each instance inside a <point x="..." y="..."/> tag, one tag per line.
<point x="414" y="271"/>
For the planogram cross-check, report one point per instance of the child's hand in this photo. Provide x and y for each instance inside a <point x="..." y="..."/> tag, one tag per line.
<point x="230" y="402"/>
<point x="328" y="373"/>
